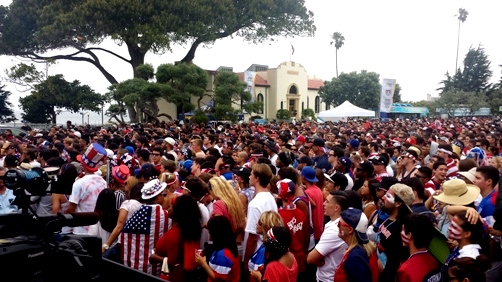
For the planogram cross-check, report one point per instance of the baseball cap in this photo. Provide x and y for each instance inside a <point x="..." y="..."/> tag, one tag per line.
<point x="357" y="220"/>
<point x="386" y="183"/>
<point x="404" y="192"/>
<point x="308" y="173"/>
<point x="379" y="160"/>
<point x="339" y="179"/>
<point x="345" y="161"/>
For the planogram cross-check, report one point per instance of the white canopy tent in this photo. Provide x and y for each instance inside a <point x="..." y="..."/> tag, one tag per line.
<point x="346" y="109"/>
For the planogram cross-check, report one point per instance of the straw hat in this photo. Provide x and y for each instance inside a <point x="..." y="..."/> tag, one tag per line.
<point x="470" y="174"/>
<point x="152" y="188"/>
<point x="457" y="192"/>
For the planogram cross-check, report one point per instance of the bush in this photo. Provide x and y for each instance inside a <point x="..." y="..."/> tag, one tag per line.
<point x="308" y="113"/>
<point x="283" y="114"/>
<point x="199" y="117"/>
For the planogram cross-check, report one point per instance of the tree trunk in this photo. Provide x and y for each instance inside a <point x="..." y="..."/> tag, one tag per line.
<point x="336" y="61"/>
<point x="191" y="53"/>
<point x="137" y="58"/>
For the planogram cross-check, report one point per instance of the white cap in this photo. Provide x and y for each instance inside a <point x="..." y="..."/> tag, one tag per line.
<point x="76" y="133"/>
<point x="170" y="141"/>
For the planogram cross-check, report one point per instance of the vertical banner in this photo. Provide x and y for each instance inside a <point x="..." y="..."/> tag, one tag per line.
<point x="388" y="88"/>
<point x="249" y="77"/>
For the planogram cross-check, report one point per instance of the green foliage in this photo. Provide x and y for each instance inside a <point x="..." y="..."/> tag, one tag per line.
<point x="56" y="94"/>
<point x="229" y="93"/>
<point x="397" y="94"/>
<point x="308" y="113"/>
<point x="430" y="105"/>
<point x="30" y="28"/>
<point x="283" y="114"/>
<point x="465" y="103"/>
<point x="6" y="112"/>
<point x="199" y="117"/>
<point x="145" y="71"/>
<point x="361" y="89"/>
<point x="475" y="75"/>
<point x="182" y="81"/>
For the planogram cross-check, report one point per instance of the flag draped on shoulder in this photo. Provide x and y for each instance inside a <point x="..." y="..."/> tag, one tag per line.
<point x="139" y="236"/>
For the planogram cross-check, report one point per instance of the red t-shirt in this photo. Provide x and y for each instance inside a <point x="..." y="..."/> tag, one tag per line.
<point x="315" y="194"/>
<point x="169" y="246"/>
<point x="298" y="226"/>
<point x="419" y="267"/>
<point x="220" y="208"/>
<point x="278" y="272"/>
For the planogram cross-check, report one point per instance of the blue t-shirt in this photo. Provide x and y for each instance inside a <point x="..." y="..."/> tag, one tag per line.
<point x="322" y="162"/>
<point x="487" y="206"/>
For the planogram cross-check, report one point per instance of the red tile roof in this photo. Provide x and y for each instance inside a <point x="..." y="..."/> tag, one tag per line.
<point x="258" y="81"/>
<point x="315" y="84"/>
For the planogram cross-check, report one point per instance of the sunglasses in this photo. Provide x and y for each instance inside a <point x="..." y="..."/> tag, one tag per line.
<point x="340" y="224"/>
<point x="156" y="155"/>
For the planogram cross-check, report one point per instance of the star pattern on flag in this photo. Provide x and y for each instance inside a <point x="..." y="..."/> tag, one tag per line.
<point x="140" y="221"/>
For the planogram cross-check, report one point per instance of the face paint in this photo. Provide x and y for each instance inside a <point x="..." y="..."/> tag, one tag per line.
<point x="389" y="198"/>
<point x="405" y="238"/>
<point x="454" y="230"/>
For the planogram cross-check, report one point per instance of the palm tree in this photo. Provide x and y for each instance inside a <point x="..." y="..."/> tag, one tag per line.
<point x="461" y="16"/>
<point x="338" y="41"/>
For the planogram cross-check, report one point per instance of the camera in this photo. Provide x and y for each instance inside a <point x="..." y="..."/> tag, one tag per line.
<point x="32" y="247"/>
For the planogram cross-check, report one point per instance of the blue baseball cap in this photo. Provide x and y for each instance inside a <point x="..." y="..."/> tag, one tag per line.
<point x="308" y="173"/>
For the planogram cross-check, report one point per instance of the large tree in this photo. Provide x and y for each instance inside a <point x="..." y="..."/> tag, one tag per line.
<point x="32" y="28"/>
<point x="361" y="89"/>
<point x="54" y="95"/>
<point x="231" y="98"/>
<point x="6" y="112"/>
<point x="338" y="41"/>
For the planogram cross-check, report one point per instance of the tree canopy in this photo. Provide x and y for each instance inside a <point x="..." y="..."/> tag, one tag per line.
<point x="230" y="91"/>
<point x="361" y="89"/>
<point x="6" y="112"/>
<point x="55" y="94"/>
<point x="31" y="28"/>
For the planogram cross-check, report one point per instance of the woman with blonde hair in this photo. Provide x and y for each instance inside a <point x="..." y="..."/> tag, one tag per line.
<point x="359" y="262"/>
<point x="228" y="204"/>
<point x="172" y="186"/>
<point x="267" y="220"/>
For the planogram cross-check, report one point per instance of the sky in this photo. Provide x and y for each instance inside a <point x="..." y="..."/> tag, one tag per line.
<point x="412" y="42"/>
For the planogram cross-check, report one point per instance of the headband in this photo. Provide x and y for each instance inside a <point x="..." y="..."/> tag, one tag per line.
<point x="410" y="156"/>
<point x="445" y="151"/>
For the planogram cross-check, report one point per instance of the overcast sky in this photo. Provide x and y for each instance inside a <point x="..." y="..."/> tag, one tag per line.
<point x="413" y="42"/>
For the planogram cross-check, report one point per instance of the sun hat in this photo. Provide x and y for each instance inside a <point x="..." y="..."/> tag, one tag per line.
<point x="470" y="174"/>
<point x="94" y="154"/>
<point x="357" y="220"/>
<point x="308" y="173"/>
<point x="152" y="188"/>
<point x="457" y="192"/>
<point x="120" y="173"/>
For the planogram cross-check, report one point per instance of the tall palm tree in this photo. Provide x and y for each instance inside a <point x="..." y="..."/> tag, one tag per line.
<point x="461" y="16"/>
<point x="338" y="42"/>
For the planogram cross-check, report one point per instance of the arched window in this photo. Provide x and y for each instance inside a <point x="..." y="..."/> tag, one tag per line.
<point x="293" y="90"/>
<point x="317" y="104"/>
<point x="259" y="98"/>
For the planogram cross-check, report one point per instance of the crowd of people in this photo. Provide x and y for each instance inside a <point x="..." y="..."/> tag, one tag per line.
<point x="363" y="200"/>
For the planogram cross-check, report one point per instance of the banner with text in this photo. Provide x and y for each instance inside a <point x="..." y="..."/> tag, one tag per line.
<point x="388" y="88"/>
<point x="249" y="77"/>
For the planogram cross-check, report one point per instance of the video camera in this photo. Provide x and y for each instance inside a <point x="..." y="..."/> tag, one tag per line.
<point x="32" y="247"/>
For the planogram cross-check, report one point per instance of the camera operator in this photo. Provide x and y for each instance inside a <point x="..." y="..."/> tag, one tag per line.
<point x="6" y="196"/>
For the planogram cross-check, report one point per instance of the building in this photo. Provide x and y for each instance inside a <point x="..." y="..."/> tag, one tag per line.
<point x="288" y="86"/>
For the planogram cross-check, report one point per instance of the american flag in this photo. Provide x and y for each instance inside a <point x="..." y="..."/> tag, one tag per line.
<point x="139" y="236"/>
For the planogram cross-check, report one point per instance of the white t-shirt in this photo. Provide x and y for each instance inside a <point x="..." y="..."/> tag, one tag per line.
<point x="389" y="170"/>
<point x="331" y="247"/>
<point x="203" y="221"/>
<point x="131" y="206"/>
<point x="97" y="230"/>
<point x="84" y="194"/>
<point x="262" y="202"/>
